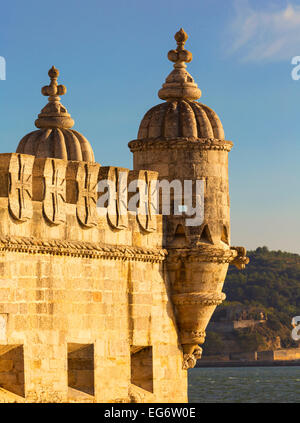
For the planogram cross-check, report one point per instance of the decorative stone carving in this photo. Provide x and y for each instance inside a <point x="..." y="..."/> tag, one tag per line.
<point x="180" y="84"/>
<point x="143" y="185"/>
<point x="82" y="249"/>
<point x="202" y="144"/>
<point x="49" y="186"/>
<point x="16" y="184"/>
<point x="196" y="276"/>
<point x="116" y="205"/>
<point x="241" y="259"/>
<point x="200" y="298"/>
<point x="192" y="336"/>
<point x="190" y="359"/>
<point x="82" y="181"/>
<point x="20" y="187"/>
<point x="209" y="254"/>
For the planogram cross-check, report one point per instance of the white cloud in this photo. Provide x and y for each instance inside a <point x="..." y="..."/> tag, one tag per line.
<point x="265" y="35"/>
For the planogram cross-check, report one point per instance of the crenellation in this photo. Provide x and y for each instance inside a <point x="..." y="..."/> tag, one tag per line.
<point x="49" y="187"/>
<point x="62" y="193"/>
<point x="143" y="182"/>
<point x="81" y="189"/>
<point x="114" y="178"/>
<point x="16" y="184"/>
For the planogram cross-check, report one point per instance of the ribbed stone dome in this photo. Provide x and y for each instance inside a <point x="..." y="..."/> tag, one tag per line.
<point x="183" y="118"/>
<point x="59" y="143"/>
<point x="55" y="138"/>
<point x="180" y="116"/>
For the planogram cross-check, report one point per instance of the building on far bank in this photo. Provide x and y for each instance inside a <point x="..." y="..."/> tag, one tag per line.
<point x="111" y="305"/>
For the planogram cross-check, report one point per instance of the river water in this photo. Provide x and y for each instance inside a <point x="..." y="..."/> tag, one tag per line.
<point x="244" y="384"/>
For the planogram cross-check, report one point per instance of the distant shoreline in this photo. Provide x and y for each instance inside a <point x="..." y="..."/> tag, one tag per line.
<point x="254" y="363"/>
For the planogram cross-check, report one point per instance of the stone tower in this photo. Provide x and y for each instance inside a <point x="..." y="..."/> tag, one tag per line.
<point x="182" y="140"/>
<point x="110" y="303"/>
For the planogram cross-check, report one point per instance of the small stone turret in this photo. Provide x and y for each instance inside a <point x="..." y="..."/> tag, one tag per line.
<point x="55" y="138"/>
<point x="183" y="139"/>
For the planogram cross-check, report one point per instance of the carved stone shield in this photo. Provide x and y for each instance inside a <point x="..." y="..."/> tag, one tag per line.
<point x="20" y="186"/>
<point x="115" y="179"/>
<point x="86" y="206"/>
<point x="54" y="190"/>
<point x="146" y="211"/>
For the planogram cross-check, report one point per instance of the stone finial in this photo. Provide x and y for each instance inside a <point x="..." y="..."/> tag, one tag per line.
<point x="53" y="89"/>
<point x="180" y="55"/>
<point x="179" y="84"/>
<point x="54" y="114"/>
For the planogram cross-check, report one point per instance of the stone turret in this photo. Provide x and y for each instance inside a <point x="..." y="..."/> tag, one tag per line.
<point x="55" y="138"/>
<point x="183" y="139"/>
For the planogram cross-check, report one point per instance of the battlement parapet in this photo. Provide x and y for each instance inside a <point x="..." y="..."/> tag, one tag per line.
<point x="55" y="183"/>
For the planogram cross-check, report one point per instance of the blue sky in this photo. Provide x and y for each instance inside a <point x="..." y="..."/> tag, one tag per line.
<point x="112" y="58"/>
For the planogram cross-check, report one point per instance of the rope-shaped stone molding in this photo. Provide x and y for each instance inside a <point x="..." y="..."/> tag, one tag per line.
<point x="203" y="298"/>
<point x="202" y="254"/>
<point x="82" y="249"/>
<point x="176" y="143"/>
<point x="192" y="336"/>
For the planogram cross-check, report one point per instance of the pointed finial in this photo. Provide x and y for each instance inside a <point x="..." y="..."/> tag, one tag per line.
<point x="54" y="114"/>
<point x="179" y="84"/>
<point x="181" y="37"/>
<point x="180" y="55"/>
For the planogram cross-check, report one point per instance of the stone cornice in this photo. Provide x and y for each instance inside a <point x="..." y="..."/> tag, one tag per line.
<point x="178" y="143"/>
<point x="81" y="249"/>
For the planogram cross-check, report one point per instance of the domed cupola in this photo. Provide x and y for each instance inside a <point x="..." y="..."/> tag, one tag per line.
<point x="181" y="116"/>
<point x="55" y="138"/>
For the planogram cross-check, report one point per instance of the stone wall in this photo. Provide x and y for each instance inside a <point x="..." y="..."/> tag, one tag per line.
<point x="70" y="277"/>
